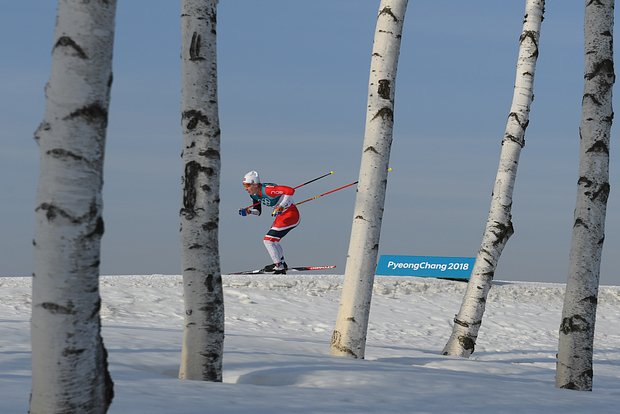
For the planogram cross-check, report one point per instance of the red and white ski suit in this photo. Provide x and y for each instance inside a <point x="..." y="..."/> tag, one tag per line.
<point x="279" y="197"/>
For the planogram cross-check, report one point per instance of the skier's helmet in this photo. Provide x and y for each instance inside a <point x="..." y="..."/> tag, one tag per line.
<point x="251" y="178"/>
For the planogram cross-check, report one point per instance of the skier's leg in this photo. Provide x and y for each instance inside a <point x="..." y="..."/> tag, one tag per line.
<point x="283" y="223"/>
<point x="280" y="251"/>
<point x="272" y="244"/>
<point x="274" y="248"/>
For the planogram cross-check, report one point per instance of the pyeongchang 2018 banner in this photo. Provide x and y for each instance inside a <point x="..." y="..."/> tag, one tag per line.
<point x="426" y="266"/>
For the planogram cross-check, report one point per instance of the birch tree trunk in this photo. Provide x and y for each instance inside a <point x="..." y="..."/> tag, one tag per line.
<point x="203" y="334"/>
<point x="499" y="226"/>
<point x="349" y="335"/>
<point x="576" y="338"/>
<point x="69" y="360"/>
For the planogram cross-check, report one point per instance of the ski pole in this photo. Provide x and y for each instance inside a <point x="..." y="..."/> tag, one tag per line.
<point x="328" y="192"/>
<point x="313" y="180"/>
<point x="332" y="191"/>
<point x="300" y="185"/>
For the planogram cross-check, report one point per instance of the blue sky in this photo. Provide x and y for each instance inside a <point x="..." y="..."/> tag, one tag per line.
<point x="293" y="79"/>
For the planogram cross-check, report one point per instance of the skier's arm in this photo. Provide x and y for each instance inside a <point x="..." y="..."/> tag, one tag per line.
<point x="286" y="196"/>
<point x="255" y="209"/>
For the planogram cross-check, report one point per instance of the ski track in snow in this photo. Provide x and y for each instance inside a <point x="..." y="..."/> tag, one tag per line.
<point x="278" y="330"/>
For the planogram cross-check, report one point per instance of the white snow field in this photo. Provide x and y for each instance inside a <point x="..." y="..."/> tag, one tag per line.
<point x="277" y="358"/>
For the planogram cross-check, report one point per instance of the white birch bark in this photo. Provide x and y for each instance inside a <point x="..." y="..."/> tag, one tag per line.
<point x="576" y="337"/>
<point x="69" y="360"/>
<point x="499" y="226"/>
<point x="203" y="334"/>
<point x="349" y="335"/>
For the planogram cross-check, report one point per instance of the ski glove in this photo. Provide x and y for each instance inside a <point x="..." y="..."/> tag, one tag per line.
<point x="243" y="212"/>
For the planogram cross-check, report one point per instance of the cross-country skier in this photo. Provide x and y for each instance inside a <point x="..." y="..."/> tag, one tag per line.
<point x="286" y="215"/>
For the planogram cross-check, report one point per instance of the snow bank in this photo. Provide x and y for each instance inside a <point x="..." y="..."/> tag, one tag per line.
<point x="277" y="358"/>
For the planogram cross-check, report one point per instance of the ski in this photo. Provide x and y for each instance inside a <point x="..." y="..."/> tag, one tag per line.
<point x="290" y="269"/>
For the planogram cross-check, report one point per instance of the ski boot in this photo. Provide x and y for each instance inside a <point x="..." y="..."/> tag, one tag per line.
<point x="280" y="268"/>
<point x="269" y="268"/>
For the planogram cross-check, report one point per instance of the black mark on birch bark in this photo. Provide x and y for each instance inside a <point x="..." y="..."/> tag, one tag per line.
<point x="336" y="343"/>
<point x="461" y="323"/>
<point x="603" y="68"/>
<point x="592" y="97"/>
<point x="209" y="153"/>
<point x="212" y="225"/>
<point x="192" y="169"/>
<point x="52" y="212"/>
<point x="384" y="88"/>
<point x="58" y="309"/>
<point x="510" y="137"/>
<point x="467" y="343"/>
<point x="530" y="34"/>
<point x="66" y="41"/>
<point x="62" y="154"/>
<point x="490" y="274"/>
<point x="92" y="113"/>
<point x="98" y="229"/>
<point x="522" y="124"/>
<point x="599" y="146"/>
<point x="194" y="117"/>
<point x="502" y="232"/>
<point x="43" y="127"/>
<point x="592" y="300"/>
<point x="575" y="323"/>
<point x="388" y="11"/>
<point x="602" y="191"/>
<point x="194" y="47"/>
<point x="585" y="182"/>
<point x="385" y="113"/>
<point x="213" y="19"/>
<point x="596" y="2"/>
<point x="579" y="222"/>
<point x="72" y="351"/>
<point x="209" y="283"/>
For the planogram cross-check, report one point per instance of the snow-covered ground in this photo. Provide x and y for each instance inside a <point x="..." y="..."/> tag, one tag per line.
<point x="277" y="349"/>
